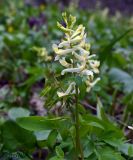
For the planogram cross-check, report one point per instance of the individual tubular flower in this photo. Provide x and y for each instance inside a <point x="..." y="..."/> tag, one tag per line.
<point x="73" y="53"/>
<point x="69" y="91"/>
<point x="130" y="127"/>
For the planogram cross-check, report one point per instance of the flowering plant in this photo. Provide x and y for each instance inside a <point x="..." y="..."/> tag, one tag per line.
<point x="72" y="132"/>
<point x="74" y="55"/>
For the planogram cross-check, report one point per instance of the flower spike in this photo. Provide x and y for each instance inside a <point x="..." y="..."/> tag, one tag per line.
<point x="75" y="48"/>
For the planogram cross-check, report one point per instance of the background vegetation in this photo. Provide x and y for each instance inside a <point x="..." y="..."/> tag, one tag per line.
<point x="23" y="76"/>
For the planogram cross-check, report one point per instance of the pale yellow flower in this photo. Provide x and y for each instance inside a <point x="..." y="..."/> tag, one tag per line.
<point x="69" y="91"/>
<point x="74" y="47"/>
<point x="42" y="52"/>
<point x="130" y="127"/>
<point x="42" y="7"/>
<point x="10" y="29"/>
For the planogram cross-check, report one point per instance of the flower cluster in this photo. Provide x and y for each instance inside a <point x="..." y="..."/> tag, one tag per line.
<point x="42" y="52"/>
<point x="73" y="53"/>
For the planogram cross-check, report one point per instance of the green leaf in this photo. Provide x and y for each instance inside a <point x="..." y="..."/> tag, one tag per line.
<point x="18" y="112"/>
<point x="55" y="158"/>
<point x="59" y="152"/>
<point x="90" y="119"/>
<point x="42" y="135"/>
<point x="6" y="155"/>
<point x="113" y="139"/>
<point x="81" y="86"/>
<point x="15" y="137"/>
<point x="52" y="138"/>
<point x="98" y="126"/>
<point x="130" y="150"/>
<point x="89" y="149"/>
<point x="105" y="53"/>
<point x="128" y="101"/>
<point x="78" y="80"/>
<point x="119" y="60"/>
<point x="127" y="149"/>
<point x="107" y="153"/>
<point x="121" y="76"/>
<point x="38" y="123"/>
<point x="100" y="111"/>
<point x="45" y="91"/>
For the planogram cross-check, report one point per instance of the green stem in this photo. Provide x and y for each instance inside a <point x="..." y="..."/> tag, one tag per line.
<point x="77" y="125"/>
<point x="126" y="117"/>
<point x="113" y="106"/>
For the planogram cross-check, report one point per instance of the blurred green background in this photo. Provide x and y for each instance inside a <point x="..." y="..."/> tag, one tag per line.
<point x="32" y="23"/>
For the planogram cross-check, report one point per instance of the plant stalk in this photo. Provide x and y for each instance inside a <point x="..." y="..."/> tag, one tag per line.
<point x="77" y="125"/>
